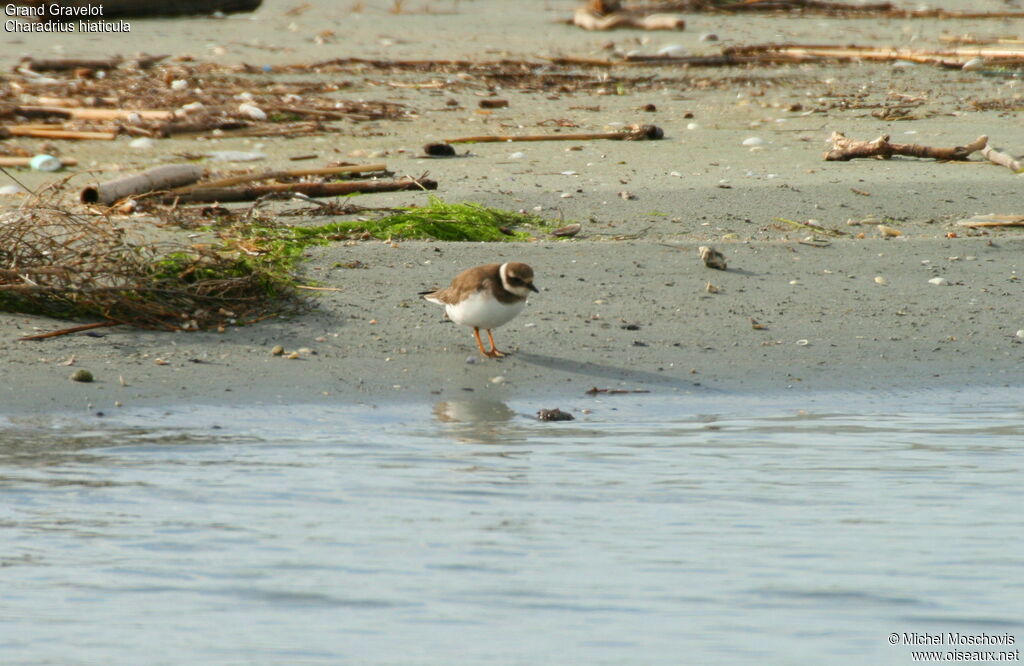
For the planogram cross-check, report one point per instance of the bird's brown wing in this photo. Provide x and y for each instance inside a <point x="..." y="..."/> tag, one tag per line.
<point x="465" y="283"/>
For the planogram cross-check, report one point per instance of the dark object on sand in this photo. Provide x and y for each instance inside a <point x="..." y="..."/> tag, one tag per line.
<point x="554" y="415"/>
<point x="439" y="150"/>
<point x="134" y="8"/>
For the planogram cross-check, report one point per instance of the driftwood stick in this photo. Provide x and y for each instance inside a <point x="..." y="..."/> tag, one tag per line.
<point x="223" y="194"/>
<point x="1002" y="159"/>
<point x="992" y="220"/>
<point x="68" y="64"/>
<point x="68" y="331"/>
<point x="294" y="173"/>
<point x="199" y="126"/>
<point x="39" y="133"/>
<point x="847" y="149"/>
<point x="157" y="178"/>
<point x="27" y="161"/>
<point x="633" y="133"/>
<point x="82" y="113"/>
<point x="588" y="20"/>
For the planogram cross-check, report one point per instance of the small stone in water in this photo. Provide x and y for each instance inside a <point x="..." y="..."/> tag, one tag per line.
<point x="554" y="415"/>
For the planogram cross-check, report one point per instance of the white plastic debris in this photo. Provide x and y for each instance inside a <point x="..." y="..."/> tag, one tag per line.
<point x="43" y="162"/>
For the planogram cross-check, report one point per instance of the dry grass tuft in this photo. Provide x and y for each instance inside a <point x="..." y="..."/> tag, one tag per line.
<point x="56" y="262"/>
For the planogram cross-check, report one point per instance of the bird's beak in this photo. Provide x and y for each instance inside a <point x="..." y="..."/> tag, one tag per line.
<point x="533" y="289"/>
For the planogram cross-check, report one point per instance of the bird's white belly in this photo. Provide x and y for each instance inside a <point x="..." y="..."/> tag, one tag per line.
<point x="483" y="311"/>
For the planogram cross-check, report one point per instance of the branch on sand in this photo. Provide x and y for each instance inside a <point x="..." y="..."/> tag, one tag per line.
<point x="847" y="149"/>
<point x="1002" y="159"/>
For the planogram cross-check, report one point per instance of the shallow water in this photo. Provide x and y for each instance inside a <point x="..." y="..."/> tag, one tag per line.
<point x="654" y="530"/>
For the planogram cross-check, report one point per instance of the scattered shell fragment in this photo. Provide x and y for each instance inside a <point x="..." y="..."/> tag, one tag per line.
<point x="142" y="143"/>
<point x="277" y="350"/>
<point x="252" y="111"/>
<point x="974" y="64"/>
<point x="753" y="141"/>
<point x="554" y="415"/>
<point x="880" y="280"/>
<point x="628" y="196"/>
<point x="81" y="375"/>
<point x="710" y="288"/>
<point x="757" y="326"/>
<point x="673" y="51"/>
<point x="803" y="343"/>
<point x="1020" y="333"/>
<point x="939" y="281"/>
<point x="192" y="107"/>
<point x="500" y="379"/>
<point x="712" y="258"/>
<point x="889" y="232"/>
<point x="567" y="230"/>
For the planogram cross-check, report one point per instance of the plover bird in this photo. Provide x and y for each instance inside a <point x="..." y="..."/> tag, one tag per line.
<point x="486" y="297"/>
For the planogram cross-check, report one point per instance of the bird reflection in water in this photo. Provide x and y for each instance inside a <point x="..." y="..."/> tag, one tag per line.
<point x="479" y="421"/>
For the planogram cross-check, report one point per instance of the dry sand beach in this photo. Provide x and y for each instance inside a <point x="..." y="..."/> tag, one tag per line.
<point x="625" y="304"/>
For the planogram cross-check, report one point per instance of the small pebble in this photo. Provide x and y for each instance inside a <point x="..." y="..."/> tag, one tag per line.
<point x="1020" y="333"/>
<point x="83" y="376"/>
<point x="498" y="380"/>
<point x="142" y="143"/>
<point x="277" y="350"/>
<point x="880" y="280"/>
<point x="939" y="281"/>
<point x="692" y="126"/>
<point x="753" y="141"/>
<point x="439" y="150"/>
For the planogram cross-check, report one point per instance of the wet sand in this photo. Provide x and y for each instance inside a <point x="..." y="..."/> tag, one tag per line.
<point x="625" y="304"/>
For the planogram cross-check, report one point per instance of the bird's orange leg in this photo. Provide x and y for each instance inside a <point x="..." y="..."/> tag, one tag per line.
<point x="494" y="348"/>
<point x="479" y="342"/>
